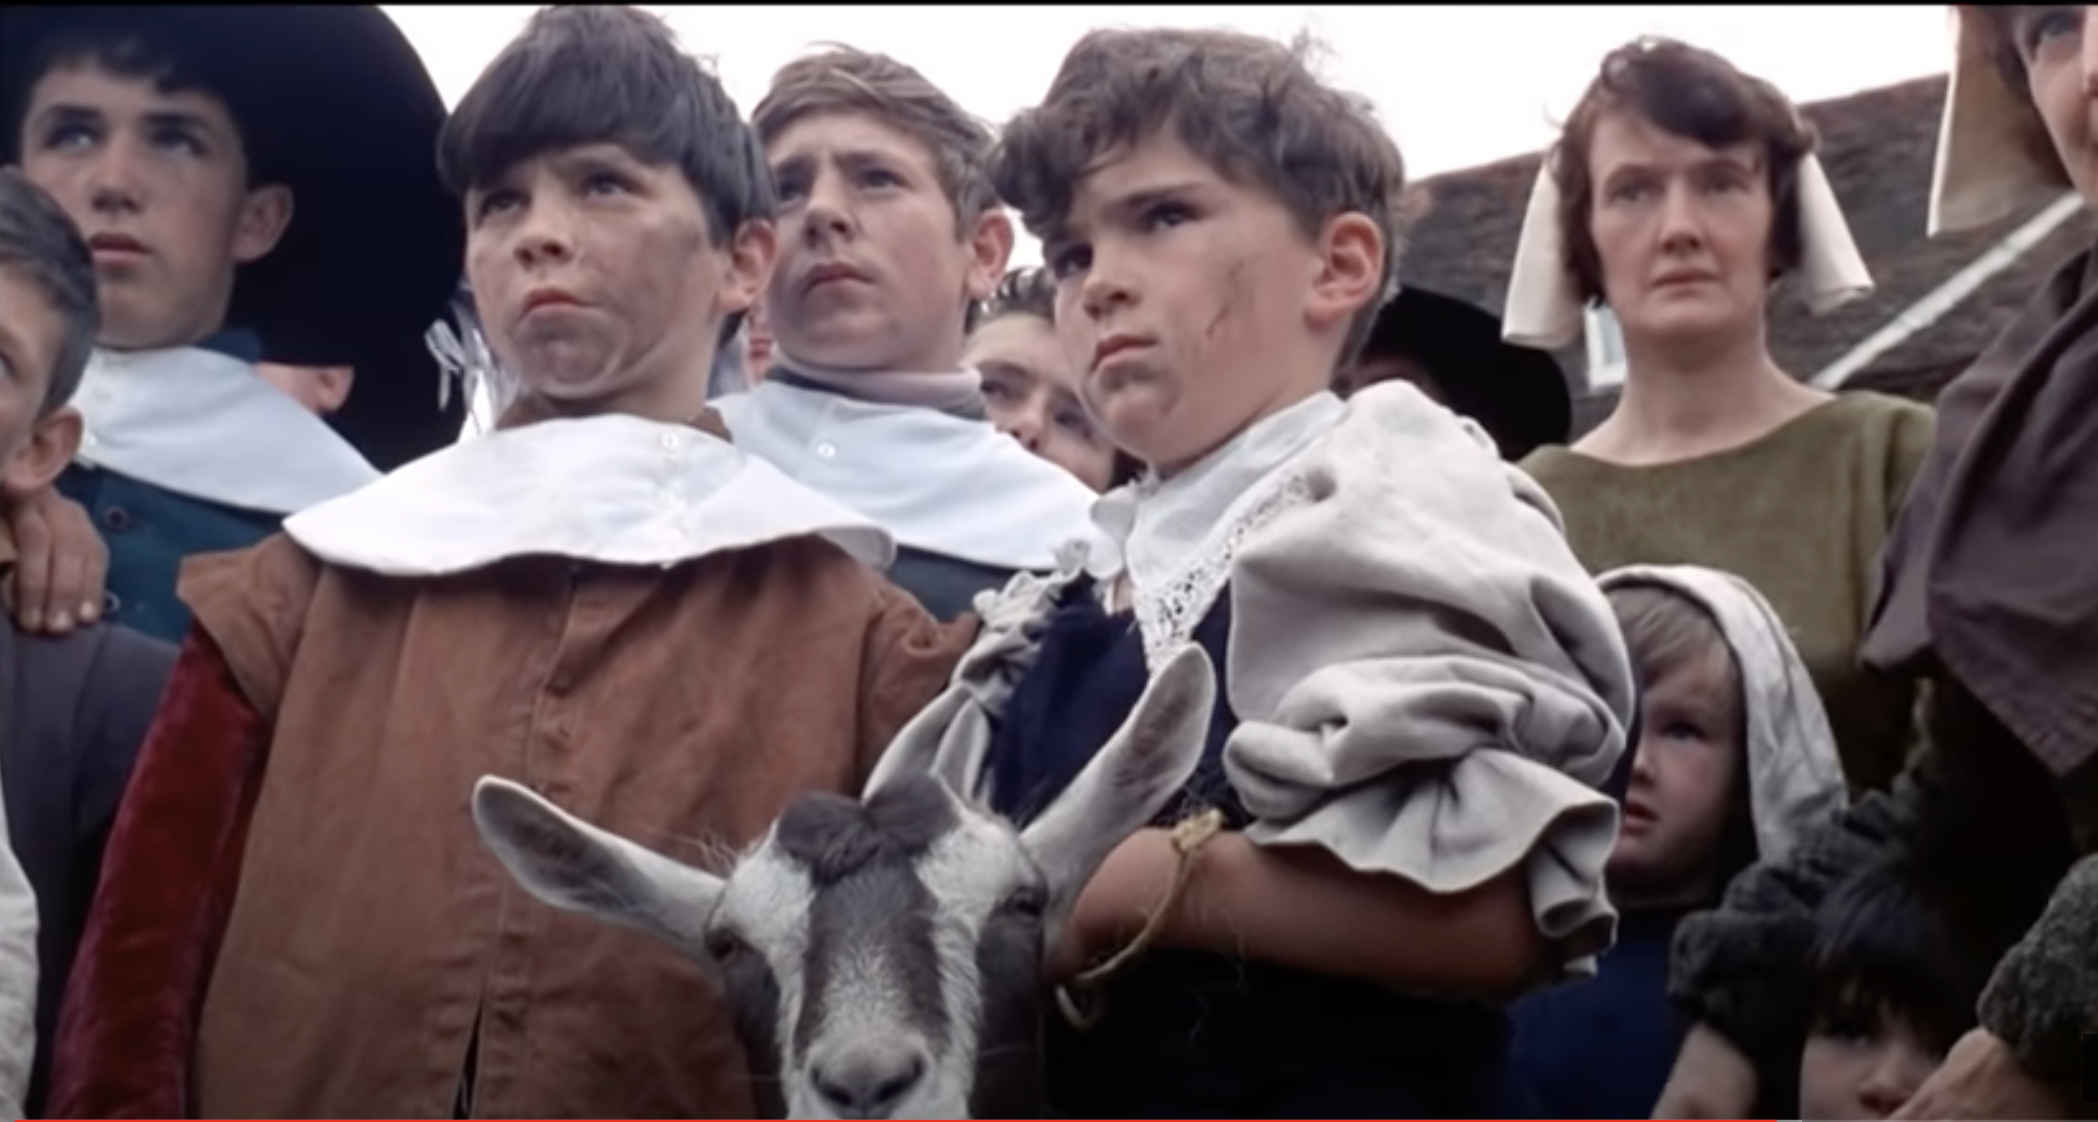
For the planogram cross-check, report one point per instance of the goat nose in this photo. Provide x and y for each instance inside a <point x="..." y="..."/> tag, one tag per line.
<point x="869" y="1080"/>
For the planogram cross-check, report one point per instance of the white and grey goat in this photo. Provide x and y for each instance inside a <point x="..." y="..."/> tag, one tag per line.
<point x="882" y="958"/>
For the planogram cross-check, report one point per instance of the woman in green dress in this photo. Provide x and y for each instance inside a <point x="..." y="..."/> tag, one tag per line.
<point x="1683" y="195"/>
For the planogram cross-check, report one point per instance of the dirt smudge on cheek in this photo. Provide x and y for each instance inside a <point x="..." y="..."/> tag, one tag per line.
<point x="1235" y="301"/>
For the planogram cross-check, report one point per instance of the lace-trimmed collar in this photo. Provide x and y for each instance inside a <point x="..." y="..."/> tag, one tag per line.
<point x="1174" y="538"/>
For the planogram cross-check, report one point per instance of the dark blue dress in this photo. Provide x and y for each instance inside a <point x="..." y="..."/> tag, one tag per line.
<point x="1601" y="1048"/>
<point x="1189" y="1034"/>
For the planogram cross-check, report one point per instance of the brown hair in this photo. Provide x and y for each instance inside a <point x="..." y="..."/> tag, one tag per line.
<point x="1023" y="292"/>
<point x="1692" y="93"/>
<point x="40" y="244"/>
<point x="1665" y="631"/>
<point x="1249" y="106"/>
<point x="848" y="80"/>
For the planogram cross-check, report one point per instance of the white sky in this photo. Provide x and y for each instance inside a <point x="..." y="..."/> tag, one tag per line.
<point x="1458" y="86"/>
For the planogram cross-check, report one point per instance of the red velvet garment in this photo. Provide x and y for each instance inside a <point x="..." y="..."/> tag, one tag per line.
<point x="128" y="1027"/>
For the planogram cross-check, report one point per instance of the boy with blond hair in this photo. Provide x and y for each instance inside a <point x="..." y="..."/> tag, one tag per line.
<point x="890" y="233"/>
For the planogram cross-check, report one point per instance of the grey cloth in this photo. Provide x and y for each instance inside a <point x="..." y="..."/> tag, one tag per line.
<point x="1427" y="681"/>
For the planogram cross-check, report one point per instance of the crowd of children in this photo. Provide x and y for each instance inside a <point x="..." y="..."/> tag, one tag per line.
<point x="1555" y="781"/>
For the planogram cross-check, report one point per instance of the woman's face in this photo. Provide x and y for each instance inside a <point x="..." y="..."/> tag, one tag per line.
<point x="1682" y="231"/>
<point x="1032" y="393"/>
<point x="2060" y="63"/>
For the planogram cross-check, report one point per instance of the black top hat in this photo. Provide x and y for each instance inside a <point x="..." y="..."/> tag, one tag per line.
<point x="1517" y="394"/>
<point x="334" y="103"/>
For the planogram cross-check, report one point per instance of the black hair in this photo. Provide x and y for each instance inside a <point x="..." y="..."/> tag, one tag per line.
<point x="40" y="241"/>
<point x="1916" y="936"/>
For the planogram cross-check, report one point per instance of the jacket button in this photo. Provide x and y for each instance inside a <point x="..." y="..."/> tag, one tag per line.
<point x="111" y="605"/>
<point x="116" y="520"/>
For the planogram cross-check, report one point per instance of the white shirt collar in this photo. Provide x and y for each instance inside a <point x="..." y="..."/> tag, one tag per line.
<point x="1154" y="529"/>
<point x="614" y="489"/>
<point x="939" y="483"/>
<point x="202" y="424"/>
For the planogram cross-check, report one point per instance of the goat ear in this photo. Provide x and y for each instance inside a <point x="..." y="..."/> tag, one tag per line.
<point x="579" y="868"/>
<point x="928" y="744"/>
<point x="1127" y="783"/>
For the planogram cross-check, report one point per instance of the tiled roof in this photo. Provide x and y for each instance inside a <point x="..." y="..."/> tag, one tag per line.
<point x="1878" y="148"/>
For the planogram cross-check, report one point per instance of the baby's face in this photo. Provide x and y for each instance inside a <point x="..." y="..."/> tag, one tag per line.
<point x="1856" y="1070"/>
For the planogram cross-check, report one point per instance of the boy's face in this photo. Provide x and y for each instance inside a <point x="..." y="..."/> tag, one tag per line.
<point x="32" y="451"/>
<point x="2061" y="63"/>
<point x="872" y="274"/>
<point x="1031" y="393"/>
<point x="1682" y="791"/>
<point x="157" y="183"/>
<point x="598" y="281"/>
<point x="1863" y="1071"/>
<point x="1192" y="306"/>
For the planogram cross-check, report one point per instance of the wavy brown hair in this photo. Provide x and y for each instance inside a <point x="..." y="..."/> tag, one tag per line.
<point x="1691" y="93"/>
<point x="1247" y="105"/>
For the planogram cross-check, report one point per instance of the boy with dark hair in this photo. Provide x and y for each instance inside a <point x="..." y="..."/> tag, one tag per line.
<point x="603" y="598"/>
<point x="254" y="184"/>
<point x="890" y="233"/>
<point x="1421" y="687"/>
<point x="73" y="710"/>
<point x="1902" y="952"/>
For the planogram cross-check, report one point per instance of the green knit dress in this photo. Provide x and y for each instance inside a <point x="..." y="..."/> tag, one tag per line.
<point x="1800" y="513"/>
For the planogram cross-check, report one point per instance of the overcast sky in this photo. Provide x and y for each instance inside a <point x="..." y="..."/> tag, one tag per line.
<point x="1456" y="86"/>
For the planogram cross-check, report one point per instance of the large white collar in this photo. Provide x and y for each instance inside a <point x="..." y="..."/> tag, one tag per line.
<point x="615" y="489"/>
<point x="938" y="482"/>
<point x="202" y="424"/>
<point x="1154" y="530"/>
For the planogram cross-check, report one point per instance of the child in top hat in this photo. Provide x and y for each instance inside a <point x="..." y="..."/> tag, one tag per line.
<point x="604" y="598"/>
<point x="889" y="235"/>
<point x="1421" y="689"/>
<point x="73" y="708"/>
<point x="254" y="184"/>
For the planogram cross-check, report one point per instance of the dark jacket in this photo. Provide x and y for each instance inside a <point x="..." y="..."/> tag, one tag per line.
<point x="73" y="713"/>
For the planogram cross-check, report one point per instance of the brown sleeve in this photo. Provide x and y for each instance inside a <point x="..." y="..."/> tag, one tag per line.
<point x="253" y="603"/>
<point x="908" y="659"/>
<point x="127" y="1026"/>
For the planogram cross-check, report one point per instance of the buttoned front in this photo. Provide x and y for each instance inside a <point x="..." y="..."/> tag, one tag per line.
<point x="374" y="942"/>
<point x="149" y="531"/>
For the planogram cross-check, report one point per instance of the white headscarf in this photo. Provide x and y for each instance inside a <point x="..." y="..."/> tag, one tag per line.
<point x="1989" y="164"/>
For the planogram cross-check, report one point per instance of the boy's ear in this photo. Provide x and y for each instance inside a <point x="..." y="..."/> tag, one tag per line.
<point x="52" y="442"/>
<point x="1350" y="272"/>
<point x="752" y="253"/>
<point x="264" y="216"/>
<point x="990" y="247"/>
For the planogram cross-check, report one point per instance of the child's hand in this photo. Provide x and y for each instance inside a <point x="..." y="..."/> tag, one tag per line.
<point x="61" y="564"/>
<point x="1711" y="1079"/>
<point x="1981" y="1079"/>
<point x="1116" y="902"/>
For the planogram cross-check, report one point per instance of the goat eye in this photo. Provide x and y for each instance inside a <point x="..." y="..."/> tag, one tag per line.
<point x="1027" y="903"/>
<point x="725" y="945"/>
